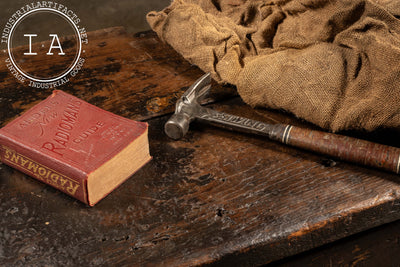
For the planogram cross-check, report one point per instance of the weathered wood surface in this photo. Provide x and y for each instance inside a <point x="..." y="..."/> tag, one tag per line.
<point x="138" y="78"/>
<point x="215" y="197"/>
<point x="375" y="247"/>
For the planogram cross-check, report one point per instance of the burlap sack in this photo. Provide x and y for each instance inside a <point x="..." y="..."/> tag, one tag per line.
<point x="333" y="63"/>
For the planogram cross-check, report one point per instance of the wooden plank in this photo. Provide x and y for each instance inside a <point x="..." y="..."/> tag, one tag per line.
<point x="214" y="197"/>
<point x="137" y="78"/>
<point x="376" y="247"/>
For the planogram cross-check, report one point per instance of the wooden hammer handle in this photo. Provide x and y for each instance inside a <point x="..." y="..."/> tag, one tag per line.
<point x="339" y="146"/>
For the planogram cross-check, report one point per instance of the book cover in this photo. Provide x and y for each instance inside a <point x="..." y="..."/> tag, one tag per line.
<point x="74" y="146"/>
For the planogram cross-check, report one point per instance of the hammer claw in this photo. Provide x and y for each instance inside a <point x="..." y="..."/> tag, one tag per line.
<point x="198" y="89"/>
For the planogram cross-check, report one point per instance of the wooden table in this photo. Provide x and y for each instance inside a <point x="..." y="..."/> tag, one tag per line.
<point x="215" y="197"/>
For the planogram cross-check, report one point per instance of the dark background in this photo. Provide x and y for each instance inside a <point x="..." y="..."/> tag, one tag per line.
<point x="97" y="14"/>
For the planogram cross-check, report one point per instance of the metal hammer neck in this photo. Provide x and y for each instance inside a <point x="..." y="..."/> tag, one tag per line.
<point x="233" y="122"/>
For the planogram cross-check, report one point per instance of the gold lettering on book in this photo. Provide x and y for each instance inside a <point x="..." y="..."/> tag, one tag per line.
<point x="64" y="128"/>
<point x="41" y="172"/>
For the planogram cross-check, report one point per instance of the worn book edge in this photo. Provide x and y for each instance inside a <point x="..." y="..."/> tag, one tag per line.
<point x="122" y="165"/>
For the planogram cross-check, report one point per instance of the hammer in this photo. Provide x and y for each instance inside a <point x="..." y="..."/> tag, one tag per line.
<point x="337" y="146"/>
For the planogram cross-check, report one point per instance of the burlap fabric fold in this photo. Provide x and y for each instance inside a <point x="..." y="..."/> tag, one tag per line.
<point x="333" y="63"/>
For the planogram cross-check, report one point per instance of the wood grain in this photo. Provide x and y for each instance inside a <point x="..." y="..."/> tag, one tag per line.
<point x="137" y="78"/>
<point x="213" y="198"/>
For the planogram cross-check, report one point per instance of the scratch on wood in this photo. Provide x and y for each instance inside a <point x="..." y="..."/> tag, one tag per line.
<point x="309" y="229"/>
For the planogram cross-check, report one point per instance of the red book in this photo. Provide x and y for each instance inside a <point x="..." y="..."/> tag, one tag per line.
<point x="76" y="147"/>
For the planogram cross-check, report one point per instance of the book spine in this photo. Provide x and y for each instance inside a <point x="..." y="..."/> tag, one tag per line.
<point x="19" y="159"/>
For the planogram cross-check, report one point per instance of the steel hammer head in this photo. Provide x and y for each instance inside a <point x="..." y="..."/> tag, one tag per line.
<point x="186" y="108"/>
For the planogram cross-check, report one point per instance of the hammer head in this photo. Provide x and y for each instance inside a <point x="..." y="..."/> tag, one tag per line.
<point x="186" y="108"/>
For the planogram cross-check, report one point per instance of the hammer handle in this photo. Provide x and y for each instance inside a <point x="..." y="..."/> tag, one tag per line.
<point x="339" y="146"/>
